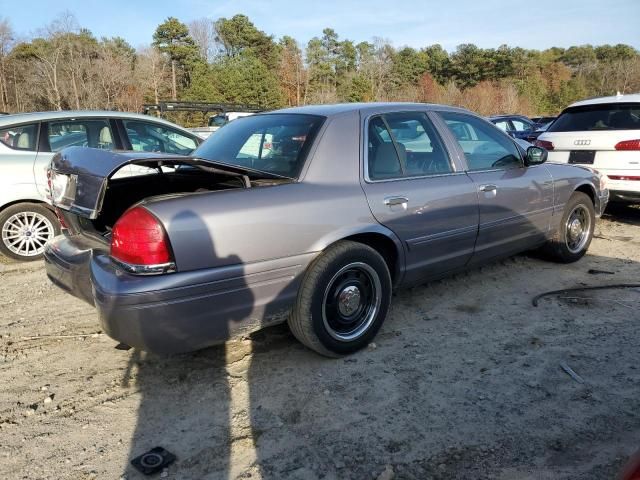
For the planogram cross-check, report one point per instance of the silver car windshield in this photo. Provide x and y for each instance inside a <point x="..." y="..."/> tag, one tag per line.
<point x="276" y="143"/>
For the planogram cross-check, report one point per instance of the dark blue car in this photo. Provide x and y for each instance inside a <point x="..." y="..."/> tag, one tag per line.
<point x="519" y="126"/>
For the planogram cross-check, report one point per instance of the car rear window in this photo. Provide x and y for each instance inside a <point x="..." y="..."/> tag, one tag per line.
<point x="274" y="143"/>
<point x="598" y="117"/>
<point x="21" y="137"/>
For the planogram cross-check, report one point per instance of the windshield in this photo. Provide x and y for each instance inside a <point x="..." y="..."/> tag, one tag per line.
<point x="598" y="117"/>
<point x="218" y="120"/>
<point x="274" y="143"/>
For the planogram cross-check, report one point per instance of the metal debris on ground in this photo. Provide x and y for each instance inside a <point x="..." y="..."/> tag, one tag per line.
<point x="58" y="337"/>
<point x="153" y="461"/>
<point x="534" y="300"/>
<point x="569" y="371"/>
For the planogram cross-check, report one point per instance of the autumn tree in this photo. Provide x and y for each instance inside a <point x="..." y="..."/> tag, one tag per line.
<point x="291" y="71"/>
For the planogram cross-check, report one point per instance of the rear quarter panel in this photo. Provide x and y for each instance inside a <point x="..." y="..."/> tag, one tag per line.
<point x="16" y="176"/>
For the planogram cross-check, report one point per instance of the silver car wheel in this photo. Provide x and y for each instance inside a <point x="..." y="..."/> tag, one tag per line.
<point x="26" y="233"/>
<point x="577" y="228"/>
<point x="351" y="301"/>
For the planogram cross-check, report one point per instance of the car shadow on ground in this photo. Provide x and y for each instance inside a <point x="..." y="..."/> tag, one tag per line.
<point x="451" y="388"/>
<point x="623" y="213"/>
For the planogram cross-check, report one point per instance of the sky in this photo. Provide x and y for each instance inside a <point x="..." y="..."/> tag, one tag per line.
<point x="535" y="24"/>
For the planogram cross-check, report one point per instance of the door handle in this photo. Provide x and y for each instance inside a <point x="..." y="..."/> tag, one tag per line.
<point x="487" y="188"/>
<point x="391" y="201"/>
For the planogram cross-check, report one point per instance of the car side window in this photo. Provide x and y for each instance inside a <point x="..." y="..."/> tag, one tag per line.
<point x="21" y="137"/>
<point x="94" y="133"/>
<point x="520" y="126"/>
<point x="383" y="157"/>
<point x="485" y="148"/>
<point x="150" y="137"/>
<point x="404" y="145"/>
<point x="502" y="125"/>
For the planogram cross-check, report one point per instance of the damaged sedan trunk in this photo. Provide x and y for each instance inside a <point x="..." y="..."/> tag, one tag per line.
<point x="93" y="190"/>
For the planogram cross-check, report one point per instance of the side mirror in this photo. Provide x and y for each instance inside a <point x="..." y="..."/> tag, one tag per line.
<point x="535" y="156"/>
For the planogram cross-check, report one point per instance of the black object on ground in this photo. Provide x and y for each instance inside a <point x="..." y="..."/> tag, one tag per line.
<point x="534" y="300"/>
<point x="153" y="461"/>
<point x="122" y="346"/>
<point x="595" y="271"/>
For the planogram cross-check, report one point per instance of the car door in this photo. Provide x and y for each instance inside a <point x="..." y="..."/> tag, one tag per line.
<point x="515" y="201"/>
<point x="18" y="151"/>
<point x="415" y="189"/>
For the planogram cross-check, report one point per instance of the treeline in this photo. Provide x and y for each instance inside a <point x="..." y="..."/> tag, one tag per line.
<point x="230" y="60"/>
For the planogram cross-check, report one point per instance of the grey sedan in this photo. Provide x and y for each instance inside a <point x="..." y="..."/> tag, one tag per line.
<point x="309" y="215"/>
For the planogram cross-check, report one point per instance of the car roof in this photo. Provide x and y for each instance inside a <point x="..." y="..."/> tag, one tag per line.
<point x="630" y="98"/>
<point x="334" y="109"/>
<point x="19" y="118"/>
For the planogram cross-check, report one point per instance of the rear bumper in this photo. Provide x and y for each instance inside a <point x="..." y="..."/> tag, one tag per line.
<point x="626" y="196"/>
<point x="177" y="312"/>
<point x="623" y="190"/>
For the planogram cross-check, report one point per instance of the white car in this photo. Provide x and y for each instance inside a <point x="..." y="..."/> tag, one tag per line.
<point x="28" y="142"/>
<point x="217" y="121"/>
<point x="602" y="133"/>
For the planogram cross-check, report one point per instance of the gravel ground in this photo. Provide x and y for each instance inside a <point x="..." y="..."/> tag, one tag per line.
<point x="464" y="381"/>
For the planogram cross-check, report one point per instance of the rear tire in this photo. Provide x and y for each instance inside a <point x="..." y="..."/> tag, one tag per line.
<point x="24" y="230"/>
<point x="574" y="235"/>
<point x="343" y="300"/>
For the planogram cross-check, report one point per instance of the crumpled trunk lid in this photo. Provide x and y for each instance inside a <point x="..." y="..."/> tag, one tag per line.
<point x="78" y="176"/>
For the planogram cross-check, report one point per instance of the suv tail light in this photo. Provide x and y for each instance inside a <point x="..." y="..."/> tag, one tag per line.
<point x="139" y="242"/>
<point x="628" y="145"/>
<point x="544" y="144"/>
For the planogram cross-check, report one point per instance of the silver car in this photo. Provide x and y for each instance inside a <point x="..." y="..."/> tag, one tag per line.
<point x="28" y="142"/>
<point x="331" y="209"/>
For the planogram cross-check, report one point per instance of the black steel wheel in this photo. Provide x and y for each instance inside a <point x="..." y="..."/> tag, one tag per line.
<point x="343" y="299"/>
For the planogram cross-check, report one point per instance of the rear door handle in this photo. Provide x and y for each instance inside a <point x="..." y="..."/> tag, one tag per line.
<point x="395" y="201"/>
<point x="487" y="188"/>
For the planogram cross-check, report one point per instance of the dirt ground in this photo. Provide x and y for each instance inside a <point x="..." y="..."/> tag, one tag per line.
<point x="464" y="381"/>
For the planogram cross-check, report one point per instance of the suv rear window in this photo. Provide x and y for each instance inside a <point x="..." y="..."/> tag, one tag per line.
<point x="276" y="143"/>
<point x="617" y="116"/>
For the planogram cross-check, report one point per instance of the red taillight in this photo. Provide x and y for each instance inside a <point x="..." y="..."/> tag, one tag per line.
<point x="544" y="144"/>
<point x="138" y="238"/>
<point x="628" y="145"/>
<point x="624" y="177"/>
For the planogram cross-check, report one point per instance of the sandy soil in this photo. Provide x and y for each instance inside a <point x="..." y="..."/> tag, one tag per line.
<point x="464" y="381"/>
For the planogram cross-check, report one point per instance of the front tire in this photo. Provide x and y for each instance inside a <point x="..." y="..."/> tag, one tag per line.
<point x="25" y="228"/>
<point x="575" y="233"/>
<point x="343" y="300"/>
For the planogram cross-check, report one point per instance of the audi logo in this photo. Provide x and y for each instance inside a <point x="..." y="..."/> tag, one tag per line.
<point x="582" y="142"/>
